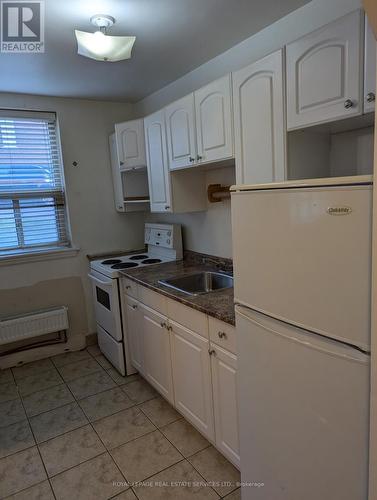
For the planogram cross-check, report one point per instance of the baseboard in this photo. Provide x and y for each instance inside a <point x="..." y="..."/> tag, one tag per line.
<point x="91" y="339"/>
<point x="74" y="343"/>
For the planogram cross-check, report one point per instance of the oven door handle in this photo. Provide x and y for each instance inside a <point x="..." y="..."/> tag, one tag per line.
<point x="94" y="278"/>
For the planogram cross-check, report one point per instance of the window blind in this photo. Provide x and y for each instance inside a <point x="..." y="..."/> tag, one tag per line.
<point x="32" y="201"/>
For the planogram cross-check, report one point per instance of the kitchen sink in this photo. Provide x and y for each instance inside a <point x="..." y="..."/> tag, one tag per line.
<point x="198" y="283"/>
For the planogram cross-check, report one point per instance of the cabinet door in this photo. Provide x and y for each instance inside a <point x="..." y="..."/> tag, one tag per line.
<point x="130" y="144"/>
<point x="157" y="360"/>
<point x="180" y="125"/>
<point x="324" y="73"/>
<point x="192" y="377"/>
<point x="117" y="176"/>
<point x="157" y="163"/>
<point x="224" y="374"/>
<point x="214" y="125"/>
<point x="134" y="332"/>
<point x="369" y="68"/>
<point x="259" y="121"/>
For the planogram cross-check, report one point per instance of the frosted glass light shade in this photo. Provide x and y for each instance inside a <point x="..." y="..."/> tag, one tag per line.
<point x="103" y="47"/>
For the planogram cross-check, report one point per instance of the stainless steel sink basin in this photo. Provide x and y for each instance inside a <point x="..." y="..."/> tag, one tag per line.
<point x="198" y="283"/>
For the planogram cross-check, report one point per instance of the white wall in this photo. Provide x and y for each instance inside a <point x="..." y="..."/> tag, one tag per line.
<point x="96" y="226"/>
<point x="352" y="152"/>
<point x="211" y="232"/>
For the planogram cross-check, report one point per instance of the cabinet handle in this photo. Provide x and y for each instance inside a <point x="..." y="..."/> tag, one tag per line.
<point x="167" y="207"/>
<point x="169" y="328"/>
<point x="128" y="287"/>
<point x="198" y="158"/>
<point x="221" y="335"/>
<point x="121" y="163"/>
<point x="163" y="325"/>
<point x="371" y="97"/>
<point x="134" y="306"/>
<point x="212" y="352"/>
<point x="348" y="103"/>
<point x="191" y="159"/>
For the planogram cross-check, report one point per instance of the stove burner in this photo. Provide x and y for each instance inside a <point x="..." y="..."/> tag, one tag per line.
<point x="151" y="261"/>
<point x="138" y="257"/>
<point x="111" y="261"/>
<point x="124" y="265"/>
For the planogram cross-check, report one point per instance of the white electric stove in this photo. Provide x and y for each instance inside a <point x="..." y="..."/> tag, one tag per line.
<point x="164" y="245"/>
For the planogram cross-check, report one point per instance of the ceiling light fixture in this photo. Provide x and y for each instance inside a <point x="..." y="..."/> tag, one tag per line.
<point x="99" y="45"/>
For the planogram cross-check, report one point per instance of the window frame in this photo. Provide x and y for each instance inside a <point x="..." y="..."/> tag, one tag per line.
<point x="63" y="246"/>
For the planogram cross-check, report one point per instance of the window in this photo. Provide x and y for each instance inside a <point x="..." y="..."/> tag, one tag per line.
<point x="32" y="201"/>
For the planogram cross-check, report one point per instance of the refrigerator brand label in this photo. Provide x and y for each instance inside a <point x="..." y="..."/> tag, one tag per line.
<point x="339" y="210"/>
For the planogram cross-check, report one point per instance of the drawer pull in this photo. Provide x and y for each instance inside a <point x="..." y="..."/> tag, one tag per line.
<point x="221" y="335"/>
<point x="163" y="325"/>
<point x="128" y="287"/>
<point x="134" y="306"/>
<point x="212" y="352"/>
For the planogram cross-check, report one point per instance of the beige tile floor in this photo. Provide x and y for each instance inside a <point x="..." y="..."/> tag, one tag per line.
<point x="72" y="427"/>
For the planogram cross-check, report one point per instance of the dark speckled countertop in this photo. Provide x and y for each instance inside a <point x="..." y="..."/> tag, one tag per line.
<point x="219" y="304"/>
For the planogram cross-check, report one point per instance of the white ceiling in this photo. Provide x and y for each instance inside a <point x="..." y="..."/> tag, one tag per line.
<point x="172" y="38"/>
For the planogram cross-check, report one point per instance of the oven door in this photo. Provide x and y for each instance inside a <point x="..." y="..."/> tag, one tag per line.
<point x="106" y="304"/>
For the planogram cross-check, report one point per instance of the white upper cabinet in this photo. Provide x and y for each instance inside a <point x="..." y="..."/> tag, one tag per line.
<point x="369" y="69"/>
<point x="130" y="144"/>
<point x="157" y="163"/>
<point x="130" y="186"/>
<point x="259" y="123"/>
<point x="213" y="113"/>
<point x="324" y="72"/>
<point x="180" y="126"/>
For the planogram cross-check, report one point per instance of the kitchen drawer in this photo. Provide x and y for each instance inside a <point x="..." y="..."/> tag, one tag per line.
<point x="130" y="288"/>
<point x="111" y="349"/>
<point x="188" y="317"/>
<point x="152" y="299"/>
<point x="222" y="334"/>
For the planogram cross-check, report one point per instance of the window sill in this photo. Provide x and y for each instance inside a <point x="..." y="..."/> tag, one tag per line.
<point x="39" y="255"/>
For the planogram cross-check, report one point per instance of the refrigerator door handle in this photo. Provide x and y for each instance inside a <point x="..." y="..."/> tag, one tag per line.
<point x="294" y="334"/>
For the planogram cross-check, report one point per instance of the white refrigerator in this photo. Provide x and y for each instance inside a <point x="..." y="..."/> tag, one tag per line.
<point x="302" y="265"/>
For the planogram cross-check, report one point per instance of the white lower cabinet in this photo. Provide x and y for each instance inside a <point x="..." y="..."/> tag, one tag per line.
<point x="156" y="347"/>
<point x="134" y="332"/>
<point x="192" y="377"/>
<point x="224" y="374"/>
<point x="191" y="366"/>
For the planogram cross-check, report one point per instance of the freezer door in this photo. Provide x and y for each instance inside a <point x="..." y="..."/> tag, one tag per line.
<point x="297" y="259"/>
<point x="303" y="411"/>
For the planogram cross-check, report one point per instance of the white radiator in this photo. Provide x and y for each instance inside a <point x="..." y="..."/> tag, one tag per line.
<point x="25" y="326"/>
